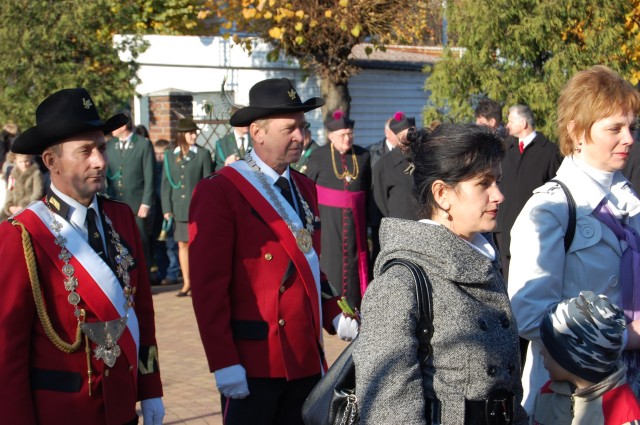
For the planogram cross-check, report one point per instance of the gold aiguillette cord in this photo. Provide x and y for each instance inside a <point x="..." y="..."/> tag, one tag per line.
<point x="87" y="350"/>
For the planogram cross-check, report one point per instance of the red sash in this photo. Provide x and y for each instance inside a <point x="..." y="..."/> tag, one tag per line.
<point x="285" y="237"/>
<point x="355" y="201"/>
<point x="89" y="290"/>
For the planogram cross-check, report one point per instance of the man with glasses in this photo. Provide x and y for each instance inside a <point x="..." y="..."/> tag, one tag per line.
<point x="342" y="172"/>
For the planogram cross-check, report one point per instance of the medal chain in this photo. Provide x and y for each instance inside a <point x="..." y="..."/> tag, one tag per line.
<point x="107" y="343"/>
<point x="346" y="174"/>
<point x="274" y="197"/>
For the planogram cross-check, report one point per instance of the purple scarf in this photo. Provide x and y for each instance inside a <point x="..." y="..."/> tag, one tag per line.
<point x="630" y="262"/>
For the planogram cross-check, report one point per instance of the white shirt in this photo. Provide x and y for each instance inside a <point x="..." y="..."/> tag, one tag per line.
<point x="77" y="215"/>
<point x="124" y="143"/>
<point x="241" y="141"/>
<point x="389" y="145"/>
<point x="478" y="242"/>
<point x="527" y="140"/>
<point x="271" y="174"/>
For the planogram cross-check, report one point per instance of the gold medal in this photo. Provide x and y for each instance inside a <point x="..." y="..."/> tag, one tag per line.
<point x="303" y="238"/>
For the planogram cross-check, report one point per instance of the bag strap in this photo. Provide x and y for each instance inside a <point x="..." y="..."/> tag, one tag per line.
<point x="571" y="226"/>
<point x="424" y="299"/>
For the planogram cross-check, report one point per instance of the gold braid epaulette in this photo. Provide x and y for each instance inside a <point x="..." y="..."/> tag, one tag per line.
<point x="37" y="297"/>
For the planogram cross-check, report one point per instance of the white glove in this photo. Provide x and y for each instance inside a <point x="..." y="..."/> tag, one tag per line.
<point x="232" y="381"/>
<point x="347" y="328"/>
<point x="152" y="411"/>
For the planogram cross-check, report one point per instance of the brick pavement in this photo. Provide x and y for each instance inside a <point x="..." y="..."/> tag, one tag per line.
<point x="190" y="395"/>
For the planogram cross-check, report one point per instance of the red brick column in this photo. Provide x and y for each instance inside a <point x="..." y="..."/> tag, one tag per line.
<point x="164" y="112"/>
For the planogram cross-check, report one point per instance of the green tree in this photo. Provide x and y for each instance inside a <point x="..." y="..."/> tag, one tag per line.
<point x="523" y="51"/>
<point x="47" y="45"/>
<point x="321" y="33"/>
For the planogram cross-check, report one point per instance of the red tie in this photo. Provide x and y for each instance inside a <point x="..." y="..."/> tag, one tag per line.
<point x="521" y="146"/>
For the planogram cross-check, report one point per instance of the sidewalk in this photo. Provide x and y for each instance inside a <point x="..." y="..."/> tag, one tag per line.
<point x="190" y="395"/>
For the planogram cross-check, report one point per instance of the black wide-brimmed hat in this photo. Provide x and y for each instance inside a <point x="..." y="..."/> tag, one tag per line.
<point x="185" y="125"/>
<point x="272" y="97"/>
<point x="338" y="120"/>
<point x="64" y="114"/>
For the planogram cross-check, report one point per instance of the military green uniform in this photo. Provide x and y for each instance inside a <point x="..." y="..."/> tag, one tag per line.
<point x="130" y="180"/>
<point x="179" y="178"/>
<point x="228" y="146"/>
<point x="301" y="165"/>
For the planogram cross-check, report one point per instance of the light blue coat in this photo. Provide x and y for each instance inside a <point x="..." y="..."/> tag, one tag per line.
<point x="541" y="274"/>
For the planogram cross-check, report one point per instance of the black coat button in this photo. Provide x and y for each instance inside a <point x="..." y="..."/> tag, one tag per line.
<point x="492" y="370"/>
<point x="504" y="321"/>
<point x="483" y="324"/>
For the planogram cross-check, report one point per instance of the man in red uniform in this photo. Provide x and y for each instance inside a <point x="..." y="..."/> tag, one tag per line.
<point x="77" y="335"/>
<point x="258" y="293"/>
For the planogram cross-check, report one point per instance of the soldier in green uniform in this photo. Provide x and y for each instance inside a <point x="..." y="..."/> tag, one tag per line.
<point x="232" y="147"/>
<point x="130" y="177"/>
<point x="308" y="146"/>
<point x="183" y="168"/>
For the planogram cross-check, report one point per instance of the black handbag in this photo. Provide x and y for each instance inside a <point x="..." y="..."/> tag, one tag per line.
<point x="333" y="400"/>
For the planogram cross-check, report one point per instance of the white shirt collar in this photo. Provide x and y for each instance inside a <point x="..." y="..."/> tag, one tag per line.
<point x="269" y="172"/>
<point x="528" y="139"/>
<point x="478" y="242"/>
<point x="192" y="148"/>
<point x="77" y="215"/>
<point x="125" y="142"/>
<point x="389" y="145"/>
<point x="603" y="178"/>
<point x="238" y="136"/>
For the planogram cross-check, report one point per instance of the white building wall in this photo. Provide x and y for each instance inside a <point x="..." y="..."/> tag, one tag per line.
<point x="199" y="65"/>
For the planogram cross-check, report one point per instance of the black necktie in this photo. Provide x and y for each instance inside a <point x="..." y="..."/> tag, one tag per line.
<point x="241" y="149"/>
<point x="285" y="189"/>
<point x="95" y="240"/>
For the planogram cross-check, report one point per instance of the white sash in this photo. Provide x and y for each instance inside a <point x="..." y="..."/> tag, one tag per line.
<point x="292" y="217"/>
<point x="94" y="265"/>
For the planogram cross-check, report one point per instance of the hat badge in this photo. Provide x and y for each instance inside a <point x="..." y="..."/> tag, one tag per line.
<point x="292" y="94"/>
<point x="86" y="103"/>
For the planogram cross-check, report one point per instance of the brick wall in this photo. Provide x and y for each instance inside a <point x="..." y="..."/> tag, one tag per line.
<point x="165" y="111"/>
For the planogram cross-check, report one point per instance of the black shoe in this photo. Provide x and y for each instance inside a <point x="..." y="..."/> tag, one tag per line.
<point x="183" y="293"/>
<point x="167" y="281"/>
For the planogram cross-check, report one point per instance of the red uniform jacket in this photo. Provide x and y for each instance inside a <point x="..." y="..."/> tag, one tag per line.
<point x="252" y="308"/>
<point x="40" y="384"/>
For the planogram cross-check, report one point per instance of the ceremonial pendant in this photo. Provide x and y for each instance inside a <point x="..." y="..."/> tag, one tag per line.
<point x="106" y="335"/>
<point x="303" y="238"/>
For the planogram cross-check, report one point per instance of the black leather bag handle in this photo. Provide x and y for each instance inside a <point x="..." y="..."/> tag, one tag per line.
<point x="424" y="298"/>
<point x="571" y="226"/>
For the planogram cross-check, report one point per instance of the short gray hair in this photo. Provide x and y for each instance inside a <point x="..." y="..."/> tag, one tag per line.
<point x="524" y="112"/>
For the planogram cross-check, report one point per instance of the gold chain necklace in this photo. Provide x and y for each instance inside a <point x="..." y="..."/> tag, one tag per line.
<point x="346" y="174"/>
<point x="302" y="236"/>
<point x="104" y="334"/>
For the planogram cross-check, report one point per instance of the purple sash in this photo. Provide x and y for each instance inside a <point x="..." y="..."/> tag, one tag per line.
<point x="630" y="262"/>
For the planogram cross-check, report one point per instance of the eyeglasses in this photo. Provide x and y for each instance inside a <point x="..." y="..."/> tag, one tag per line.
<point x="305" y="126"/>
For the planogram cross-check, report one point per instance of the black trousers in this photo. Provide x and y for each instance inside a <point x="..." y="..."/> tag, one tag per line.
<point x="271" y="401"/>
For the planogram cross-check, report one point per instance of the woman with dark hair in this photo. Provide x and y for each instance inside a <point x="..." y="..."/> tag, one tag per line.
<point x="183" y="168"/>
<point x="473" y="373"/>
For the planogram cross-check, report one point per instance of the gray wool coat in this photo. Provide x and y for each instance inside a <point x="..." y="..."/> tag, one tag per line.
<point x="475" y="341"/>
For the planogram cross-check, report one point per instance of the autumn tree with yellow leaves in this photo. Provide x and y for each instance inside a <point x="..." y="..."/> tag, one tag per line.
<point x="321" y="33"/>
